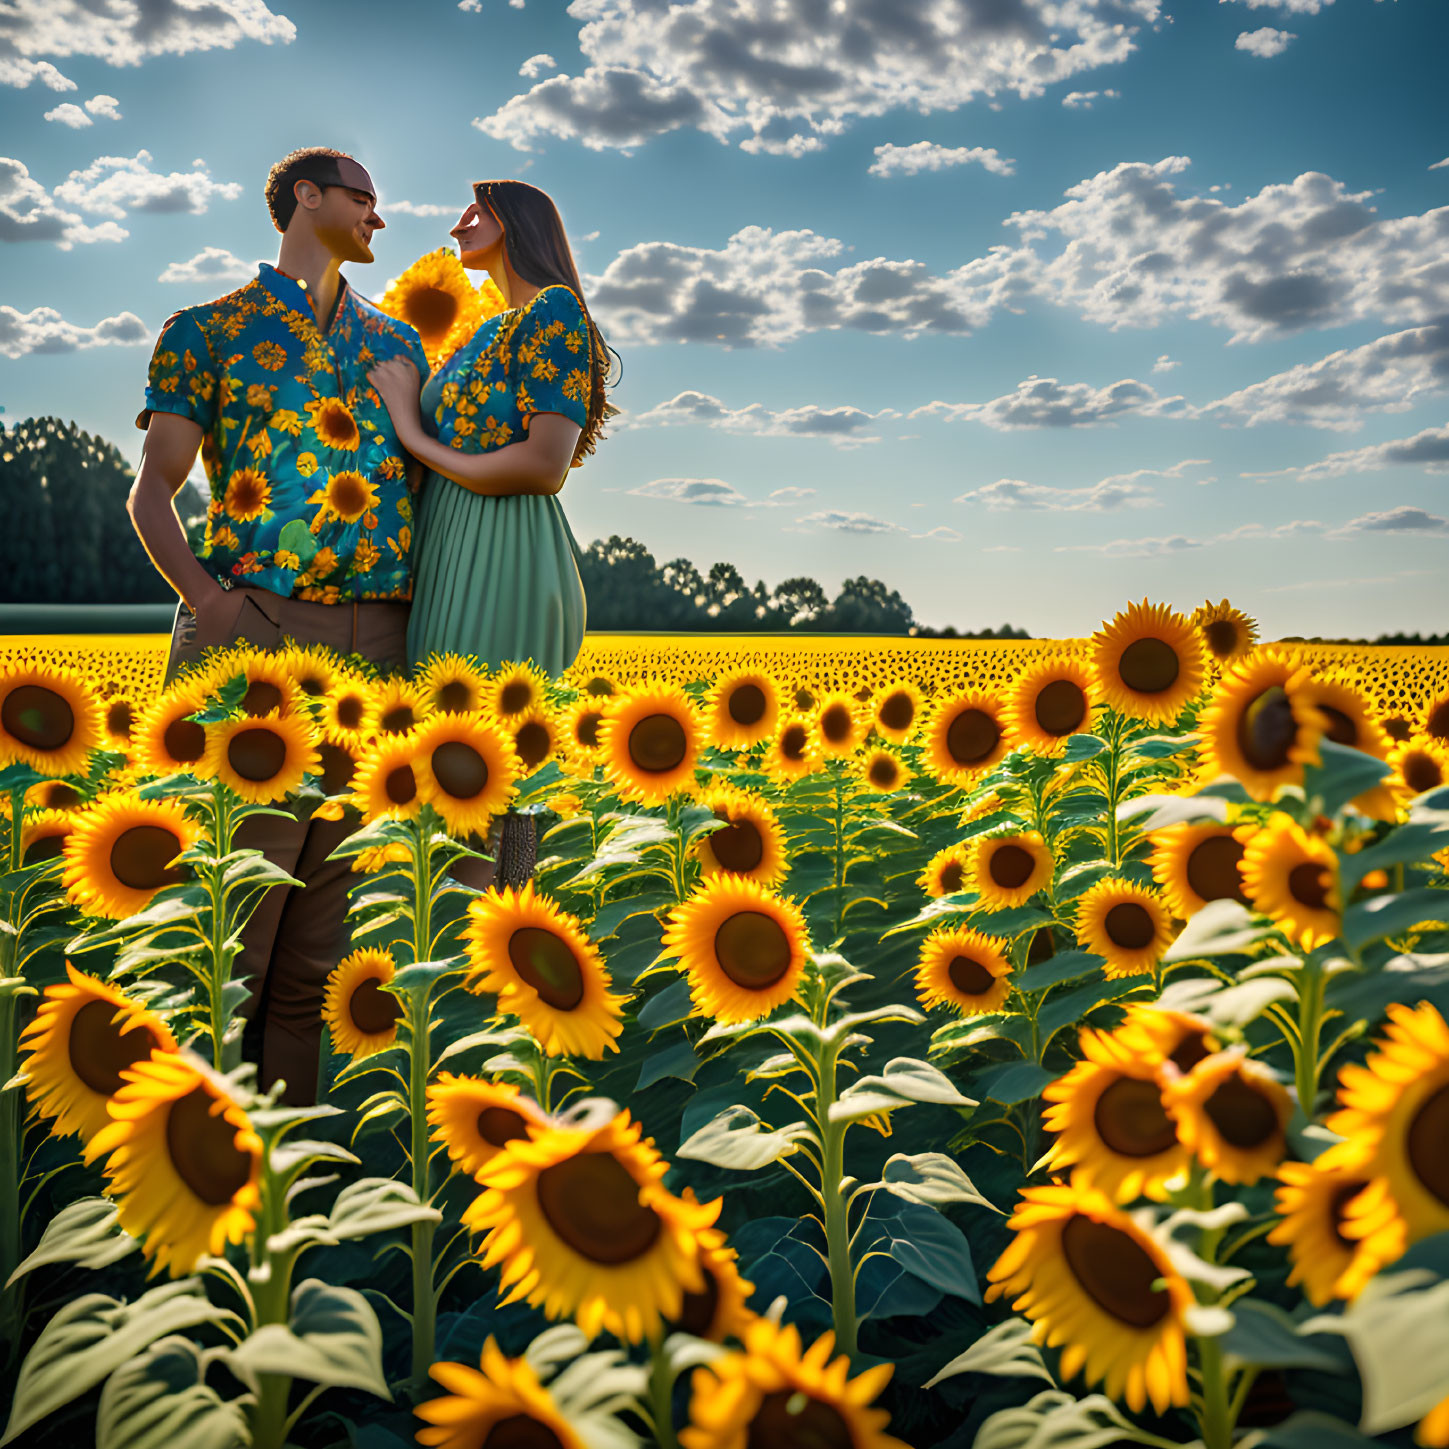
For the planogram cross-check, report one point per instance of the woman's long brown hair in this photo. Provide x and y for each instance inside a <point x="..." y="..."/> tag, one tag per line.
<point x="537" y="249"/>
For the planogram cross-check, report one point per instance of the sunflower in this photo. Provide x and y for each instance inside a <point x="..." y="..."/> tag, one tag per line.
<point x="333" y="422"/>
<point x="499" y="1402"/>
<point x="346" y="496"/>
<point x="514" y="690"/>
<point x="534" y="736"/>
<point x="314" y="668"/>
<point x="182" y="1159"/>
<point x="1349" y="720"/>
<point x="964" y="736"/>
<point x="475" y="1120"/>
<point x="386" y="782"/>
<point x="1231" y="1113"/>
<point x="742" y="947"/>
<point x="751" y="845"/>
<point x="43" y="834"/>
<point x="1127" y="926"/>
<point x="1227" y="633"/>
<point x="897" y="710"/>
<point x="437" y="297"/>
<point x="792" y="753"/>
<point x="1292" y="876"/>
<point x="1051" y="702"/>
<point x="581" y="727"/>
<point x="945" y="872"/>
<point x="466" y="768"/>
<point x="1436" y="717"/>
<point x="1420" y="764"/>
<point x="838" y="725"/>
<point x="1314" y="1203"/>
<point x="1195" y="863"/>
<point x="650" y="740"/>
<point x="1148" y="662"/>
<point x="719" y="1311"/>
<point x="1261" y="726"/>
<point x="964" y="969"/>
<point x="118" y="720"/>
<point x="1164" y="1035"/>
<point x="544" y="970"/>
<point x="773" y="1394"/>
<point x="1394" y="1114"/>
<point x="1094" y="1282"/>
<point x="263" y="760"/>
<point x="119" y="853"/>
<point x="349" y="710"/>
<point x="741" y="709"/>
<point x="582" y="1225"/>
<point x="400" y="704"/>
<point x="48" y="718"/>
<point x="360" y="1017"/>
<point x="1008" y="869"/>
<point x="1110" y="1123"/>
<point x="337" y="771"/>
<point x="600" y="686"/>
<point x="85" y="1034"/>
<point x="882" y="771"/>
<point x="56" y="794"/>
<point x="248" y="495"/>
<point x="166" y="741"/>
<point x="452" y="684"/>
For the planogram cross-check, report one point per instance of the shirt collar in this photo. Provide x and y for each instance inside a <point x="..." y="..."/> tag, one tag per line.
<point x="294" y="294"/>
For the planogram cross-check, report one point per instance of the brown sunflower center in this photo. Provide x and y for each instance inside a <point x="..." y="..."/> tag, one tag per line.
<point x="592" y="1202"/>
<point x="739" y="846"/>
<point x="1010" y="867"/>
<point x="432" y="311"/>
<point x="532" y="742"/>
<point x="1149" y="666"/>
<point x="1421" y="771"/>
<point x="454" y="697"/>
<point x="793" y="1419"/>
<point x="1129" y="926"/>
<point x="520" y="1431"/>
<point x="1115" y="1272"/>
<point x="1061" y="707"/>
<point x="119" y="719"/>
<point x="884" y="772"/>
<point x="338" y="767"/>
<point x="952" y="877"/>
<point x="60" y="796"/>
<point x="1341" y="728"/>
<point x="372" y="1009"/>
<point x="37" y="717"/>
<point x="547" y="963"/>
<point x="99" y="1050"/>
<point x="256" y="754"/>
<point x="1191" y="1050"/>
<point x="1042" y="947"/>
<point x="835" y="723"/>
<point x="498" y="1126"/>
<point x="752" y="949"/>
<point x="262" y="697"/>
<point x="313" y="685"/>
<point x="970" y="977"/>
<point x="658" y="744"/>
<point x="1130" y="1119"/>
<point x="598" y="685"/>
<point x="139" y="855"/>
<point x="586" y="729"/>
<point x="972" y="736"/>
<point x="1244" y="1117"/>
<point x="1212" y="869"/>
<point x="203" y="1149"/>
<point x="1222" y="637"/>
<point x="696" y="1314"/>
<point x="793" y="739"/>
<point x="804" y="699"/>
<point x="515" y="697"/>
<point x="184" y="741"/>
<point x="397" y="720"/>
<point x="349" y="711"/>
<point x="459" y="769"/>
<point x="1437" y="724"/>
<point x="47" y="847"/>
<point x="1308" y="885"/>
<point x="897" y="710"/>
<point x="1427" y="1144"/>
<point x="1267" y="729"/>
<point x="400" y="785"/>
<point x="747" y="704"/>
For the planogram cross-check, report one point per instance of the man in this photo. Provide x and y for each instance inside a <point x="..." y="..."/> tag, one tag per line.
<point x="308" y="532"/>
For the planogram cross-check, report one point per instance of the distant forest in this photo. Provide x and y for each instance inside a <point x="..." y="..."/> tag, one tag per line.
<point x="67" y="540"/>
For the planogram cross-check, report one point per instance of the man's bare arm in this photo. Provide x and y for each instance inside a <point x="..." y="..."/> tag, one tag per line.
<point x="166" y="458"/>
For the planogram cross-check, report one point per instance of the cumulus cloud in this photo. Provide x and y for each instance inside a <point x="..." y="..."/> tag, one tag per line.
<point x="113" y="185"/>
<point x="927" y="156"/>
<point x="1104" y="497"/>
<point x="1437" y="164"/>
<point x="842" y="522"/>
<point x="20" y="73"/>
<point x="422" y="208"/>
<point x="108" y="108"/>
<point x="789" y="77"/>
<point x="1396" y="520"/>
<point x="1082" y="100"/>
<point x="69" y="114"/>
<point x="713" y="493"/>
<point x="27" y="213"/>
<point x="535" y="66"/>
<point x="1165" y="364"/>
<point x="211" y="264"/>
<point x="42" y="330"/>
<point x="846" y="427"/>
<point x="1180" y="543"/>
<point x="1264" y="43"/>
<point x="1291" y="7"/>
<point x="1428" y="450"/>
<point x="941" y="534"/>
<point x="1043" y="402"/>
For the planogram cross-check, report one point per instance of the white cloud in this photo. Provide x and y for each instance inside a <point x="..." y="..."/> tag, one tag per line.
<point x="108" y="108"/>
<point x="113" y="185"/>
<point x="1292" y="7"/>
<point x="1264" y="43"/>
<point x="1104" y="497"/>
<point x="1043" y="402"/>
<point x="422" y="208"/>
<point x="941" y="534"/>
<point x="19" y="73"/>
<point x="1396" y="520"/>
<point x="1165" y="364"/>
<point x="27" y="213"/>
<point x="535" y="66"/>
<point x="842" y="522"/>
<point x="126" y="34"/>
<point x="846" y="427"/>
<point x="1428" y="450"/>
<point x="927" y="156"/>
<point x="1082" y="100"/>
<point x="791" y="76"/>
<point x="42" y="330"/>
<point x="1437" y="164"/>
<point x="211" y="264"/>
<point x="69" y="114"/>
<point x="710" y="492"/>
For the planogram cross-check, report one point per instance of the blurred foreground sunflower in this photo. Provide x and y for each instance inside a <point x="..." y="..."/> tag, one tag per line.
<point x="1260" y="726"/>
<point x="475" y="1120"/>
<point x="1231" y="1114"/>
<point x="1292" y="876"/>
<point x="1198" y="862"/>
<point x="436" y="296"/>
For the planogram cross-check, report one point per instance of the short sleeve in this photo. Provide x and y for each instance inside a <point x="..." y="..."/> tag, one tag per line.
<point x="182" y="376"/>
<point x="551" y="358"/>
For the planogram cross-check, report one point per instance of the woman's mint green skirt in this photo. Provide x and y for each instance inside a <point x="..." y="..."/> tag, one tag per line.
<point x="496" y="578"/>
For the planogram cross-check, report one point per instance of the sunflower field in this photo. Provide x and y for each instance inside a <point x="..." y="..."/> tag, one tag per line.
<point x="1053" y="1060"/>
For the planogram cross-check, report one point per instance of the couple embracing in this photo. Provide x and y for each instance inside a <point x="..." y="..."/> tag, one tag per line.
<point x="361" y="502"/>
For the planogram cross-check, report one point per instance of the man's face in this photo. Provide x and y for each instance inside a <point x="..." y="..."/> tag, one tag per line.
<point x="344" y="216"/>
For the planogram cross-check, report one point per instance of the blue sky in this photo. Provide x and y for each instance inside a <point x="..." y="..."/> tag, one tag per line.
<point x="1026" y="322"/>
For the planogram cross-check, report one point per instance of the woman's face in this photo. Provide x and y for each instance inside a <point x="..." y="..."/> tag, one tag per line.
<point x="477" y="234"/>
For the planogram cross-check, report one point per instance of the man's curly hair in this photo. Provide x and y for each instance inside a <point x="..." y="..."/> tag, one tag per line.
<point x="295" y="166"/>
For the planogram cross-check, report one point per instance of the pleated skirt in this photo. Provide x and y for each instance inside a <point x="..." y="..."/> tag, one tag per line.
<point x="495" y="578"/>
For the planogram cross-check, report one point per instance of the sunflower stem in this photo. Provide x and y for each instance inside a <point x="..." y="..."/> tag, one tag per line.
<point x="661" y="1396"/>
<point x="1114" y="742"/>
<point x="17" y="828"/>
<point x="221" y="845"/>
<point x="839" y="892"/>
<point x="1310" y="1027"/>
<point x="9" y="1177"/>
<point x="419" y="1047"/>
<point x="837" y="1226"/>
<point x="1216" y="1420"/>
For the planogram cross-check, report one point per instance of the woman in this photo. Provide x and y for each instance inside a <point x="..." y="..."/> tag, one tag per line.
<point x="503" y="419"/>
